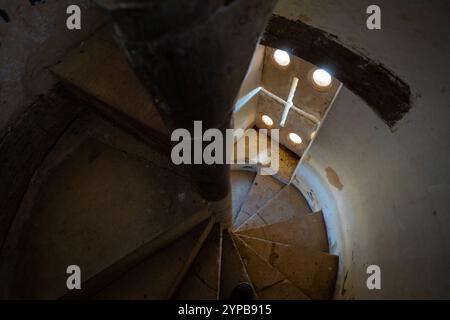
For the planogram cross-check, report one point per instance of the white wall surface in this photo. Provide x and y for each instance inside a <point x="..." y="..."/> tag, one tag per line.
<point x="394" y="206"/>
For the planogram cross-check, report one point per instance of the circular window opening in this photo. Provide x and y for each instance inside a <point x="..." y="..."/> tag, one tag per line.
<point x="267" y="120"/>
<point x="295" y="138"/>
<point x="282" y="58"/>
<point x="321" y="79"/>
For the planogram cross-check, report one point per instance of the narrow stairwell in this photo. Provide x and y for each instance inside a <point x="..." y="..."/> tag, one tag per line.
<point x="108" y="198"/>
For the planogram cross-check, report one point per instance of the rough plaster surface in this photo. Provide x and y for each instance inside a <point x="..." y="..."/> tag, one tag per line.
<point x="393" y="210"/>
<point x="34" y="39"/>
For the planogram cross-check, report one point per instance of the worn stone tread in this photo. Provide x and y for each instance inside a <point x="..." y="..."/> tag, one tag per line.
<point x="313" y="272"/>
<point x="306" y="230"/>
<point x="95" y="201"/>
<point x="285" y="205"/>
<point x="241" y="182"/>
<point x="264" y="188"/>
<point x="268" y="282"/>
<point x="102" y="74"/>
<point x="157" y="276"/>
<point x="202" y="280"/>
<point x="233" y="270"/>
<point x="25" y="144"/>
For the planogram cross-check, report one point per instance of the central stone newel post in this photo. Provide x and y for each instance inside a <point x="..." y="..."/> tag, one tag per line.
<point x="192" y="56"/>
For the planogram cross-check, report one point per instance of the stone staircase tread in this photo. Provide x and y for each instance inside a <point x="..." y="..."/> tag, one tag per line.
<point x="93" y="175"/>
<point x="160" y="274"/>
<point x="202" y="280"/>
<point x="242" y="182"/>
<point x="101" y="72"/>
<point x="268" y="282"/>
<point x="264" y="188"/>
<point x="306" y="230"/>
<point x="233" y="270"/>
<point x="313" y="272"/>
<point x="285" y="205"/>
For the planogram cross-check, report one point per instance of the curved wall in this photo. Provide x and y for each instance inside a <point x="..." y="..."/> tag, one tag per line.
<point x="389" y="188"/>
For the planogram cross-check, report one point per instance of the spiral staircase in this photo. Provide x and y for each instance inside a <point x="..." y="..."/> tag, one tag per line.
<point x="94" y="186"/>
<point x="109" y="203"/>
<point x="280" y="252"/>
<point x="106" y="197"/>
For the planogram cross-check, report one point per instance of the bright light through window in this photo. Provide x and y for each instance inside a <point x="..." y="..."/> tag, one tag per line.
<point x="282" y="58"/>
<point x="267" y="120"/>
<point x="322" y="78"/>
<point x="295" y="138"/>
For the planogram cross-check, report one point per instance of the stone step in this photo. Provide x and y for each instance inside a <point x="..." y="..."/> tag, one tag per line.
<point x="285" y="205"/>
<point x="25" y="144"/>
<point x="159" y="275"/>
<point x="101" y="74"/>
<point x="202" y="282"/>
<point x="264" y="188"/>
<point x="241" y="184"/>
<point x="306" y="230"/>
<point x="313" y="272"/>
<point x="268" y="282"/>
<point x="97" y="202"/>
<point x="233" y="272"/>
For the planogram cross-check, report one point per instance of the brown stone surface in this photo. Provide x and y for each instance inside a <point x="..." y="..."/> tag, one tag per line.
<point x="202" y="280"/>
<point x="264" y="188"/>
<point x="313" y="272"/>
<point x="241" y="183"/>
<point x="306" y="231"/>
<point x="97" y="202"/>
<point x="268" y="282"/>
<point x="101" y="71"/>
<point x="24" y="146"/>
<point x="287" y="204"/>
<point x="233" y="270"/>
<point x="35" y="38"/>
<point x="288" y="162"/>
<point x="156" y="277"/>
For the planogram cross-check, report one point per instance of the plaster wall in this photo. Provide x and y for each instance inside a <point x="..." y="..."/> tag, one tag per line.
<point x="386" y="190"/>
